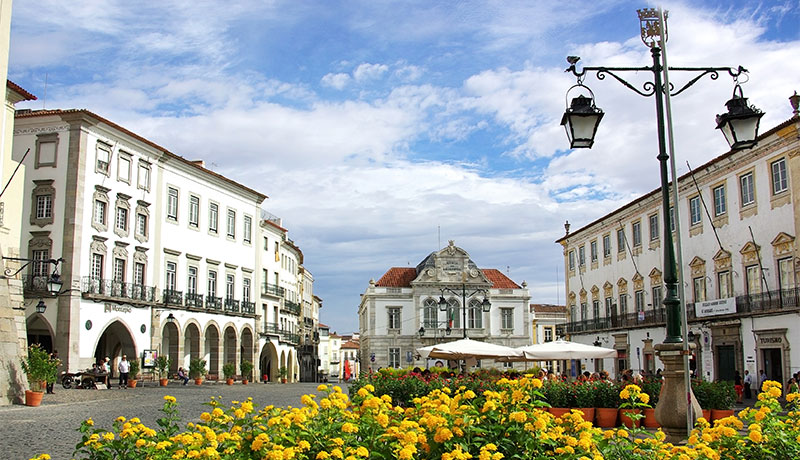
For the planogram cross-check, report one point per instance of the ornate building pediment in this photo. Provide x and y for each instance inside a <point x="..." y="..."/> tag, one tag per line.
<point x="638" y="282"/>
<point x="698" y="266"/>
<point x="722" y="260"/>
<point x="595" y="292"/>
<point x="608" y="289"/>
<point x="622" y="284"/>
<point x="749" y="252"/>
<point x="783" y="244"/>
<point x="655" y="276"/>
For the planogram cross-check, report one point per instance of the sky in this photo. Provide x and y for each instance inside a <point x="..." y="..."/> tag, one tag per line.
<point x="382" y="129"/>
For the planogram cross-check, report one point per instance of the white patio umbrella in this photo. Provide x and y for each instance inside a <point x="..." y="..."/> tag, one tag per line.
<point x="563" y="349"/>
<point x="466" y="349"/>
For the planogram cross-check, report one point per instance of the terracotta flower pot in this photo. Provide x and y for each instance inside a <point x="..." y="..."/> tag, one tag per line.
<point x="132" y="383"/>
<point x="33" y="398"/>
<point x="229" y="381"/>
<point x="163" y="382"/>
<point x="624" y="417"/>
<point x="707" y="415"/>
<point x="244" y="382"/>
<point x="588" y="413"/>
<point x="649" y="419"/>
<point x="606" y="417"/>
<point x="717" y="414"/>
<point x="198" y="381"/>
<point x="558" y="411"/>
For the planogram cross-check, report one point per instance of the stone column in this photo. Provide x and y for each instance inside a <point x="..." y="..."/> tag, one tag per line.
<point x="13" y="343"/>
<point x="673" y="402"/>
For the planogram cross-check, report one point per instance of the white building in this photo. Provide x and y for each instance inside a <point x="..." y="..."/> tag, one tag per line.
<point x="548" y="325"/>
<point x="738" y="227"/>
<point x="400" y="312"/>
<point x="159" y="253"/>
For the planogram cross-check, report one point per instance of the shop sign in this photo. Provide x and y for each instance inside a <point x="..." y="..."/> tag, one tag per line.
<point x="715" y="307"/>
<point x="110" y="307"/>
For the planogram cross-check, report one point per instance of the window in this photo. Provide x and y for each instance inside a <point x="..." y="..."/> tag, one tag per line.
<point x="454" y="314"/>
<point x="584" y="312"/>
<point x="246" y="289"/>
<point x="572" y="260"/>
<point x="122" y="219"/>
<point x="44" y="206"/>
<point x="141" y="224"/>
<point x="172" y="203"/>
<point x="752" y="279"/>
<point x="266" y="243"/>
<point x="394" y="318"/>
<point x="658" y="297"/>
<point x="606" y="245"/>
<point x="394" y="357"/>
<point x="595" y="309"/>
<point x="138" y="273"/>
<point x="695" y="216"/>
<point x="548" y="334"/>
<point x="97" y="266"/>
<point x="119" y="270"/>
<point x="621" y="240"/>
<point x="653" y="227"/>
<point x="100" y="212"/>
<point x="475" y="315"/>
<point x="724" y="285"/>
<point x="786" y="273"/>
<point x="779" y="181"/>
<point x="213" y="216"/>
<point x="582" y="256"/>
<point x="609" y="306"/>
<point x="103" y="158"/>
<point x="720" y="204"/>
<point x="40" y="267"/>
<point x="277" y="251"/>
<point x="638" y="299"/>
<point x="191" y="280"/>
<point x="231" y="223"/>
<point x="623" y="304"/>
<point x="430" y="315"/>
<point x="248" y="229"/>
<point x="124" y="168"/>
<point x="699" y="288"/>
<point x="212" y="283"/>
<point x="636" y="229"/>
<point x="747" y="187"/>
<point x="194" y="211"/>
<point x="46" y="148"/>
<point x="507" y="318"/>
<point x="144" y="176"/>
<point x="229" y="285"/>
<point x="171" y="272"/>
<point x="593" y="250"/>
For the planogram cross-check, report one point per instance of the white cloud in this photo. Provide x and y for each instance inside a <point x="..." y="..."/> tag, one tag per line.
<point x="335" y="80"/>
<point x="366" y="71"/>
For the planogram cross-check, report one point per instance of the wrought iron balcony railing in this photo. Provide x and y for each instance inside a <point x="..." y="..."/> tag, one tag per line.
<point x="248" y="307"/>
<point x="194" y="299"/>
<point x="231" y="305"/>
<point x="272" y="289"/>
<point x="285" y="334"/>
<point x="172" y="297"/>
<point x="111" y="289"/>
<point x="213" y="303"/>
<point x="291" y="307"/>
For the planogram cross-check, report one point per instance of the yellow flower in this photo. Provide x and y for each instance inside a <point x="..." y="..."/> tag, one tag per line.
<point x="755" y="436"/>
<point x="108" y="436"/>
<point x="348" y="427"/>
<point x="322" y="388"/>
<point x="362" y="451"/>
<point x="170" y="399"/>
<point x="89" y="422"/>
<point x="442" y="434"/>
<point x="322" y="455"/>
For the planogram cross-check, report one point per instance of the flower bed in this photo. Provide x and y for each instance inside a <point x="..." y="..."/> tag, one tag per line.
<point x="444" y="424"/>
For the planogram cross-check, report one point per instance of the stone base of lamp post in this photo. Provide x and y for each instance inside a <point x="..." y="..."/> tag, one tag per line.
<point x="672" y="402"/>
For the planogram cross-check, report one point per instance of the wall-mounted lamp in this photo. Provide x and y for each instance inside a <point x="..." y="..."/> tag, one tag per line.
<point x="41" y="306"/>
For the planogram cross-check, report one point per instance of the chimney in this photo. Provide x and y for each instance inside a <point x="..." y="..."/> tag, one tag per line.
<point x="200" y="163"/>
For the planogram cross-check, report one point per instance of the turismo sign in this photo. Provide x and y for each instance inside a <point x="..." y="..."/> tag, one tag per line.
<point x="715" y="307"/>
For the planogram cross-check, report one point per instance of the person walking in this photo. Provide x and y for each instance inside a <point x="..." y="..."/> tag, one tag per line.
<point x="748" y="381"/>
<point x="123" y="367"/>
<point x="738" y="386"/>
<point x="762" y="377"/>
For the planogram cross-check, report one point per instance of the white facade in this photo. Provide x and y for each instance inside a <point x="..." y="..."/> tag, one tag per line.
<point x="404" y="302"/>
<point x="159" y="252"/>
<point x="739" y="266"/>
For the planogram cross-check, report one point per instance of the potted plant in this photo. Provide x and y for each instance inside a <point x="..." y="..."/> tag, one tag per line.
<point x="703" y="393"/>
<point x="722" y="399"/>
<point x="583" y="394"/>
<point x="653" y="388"/>
<point x="606" y="403"/>
<point x="197" y="370"/>
<point x="557" y="395"/>
<point x="282" y="372"/>
<point x="229" y="370"/>
<point x="634" y="400"/>
<point x="247" y="369"/>
<point x="162" y="367"/>
<point x="40" y="369"/>
<point x="133" y="372"/>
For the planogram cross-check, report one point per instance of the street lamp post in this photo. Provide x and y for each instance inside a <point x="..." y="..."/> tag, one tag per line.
<point x="444" y="305"/>
<point x="740" y="127"/>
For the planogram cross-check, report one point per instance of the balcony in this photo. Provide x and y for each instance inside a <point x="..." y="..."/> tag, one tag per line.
<point x="194" y="300"/>
<point x="248" y="307"/>
<point x="231" y="305"/>
<point x="172" y="297"/>
<point x="291" y="307"/>
<point x="284" y="334"/>
<point x="214" y="303"/>
<point x="272" y="289"/>
<point x="102" y="289"/>
<point x="746" y="305"/>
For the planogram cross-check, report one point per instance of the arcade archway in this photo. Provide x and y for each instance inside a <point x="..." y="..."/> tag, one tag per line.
<point x="268" y="363"/>
<point x="115" y="341"/>
<point x="39" y="331"/>
<point x="212" y="349"/>
<point x="191" y="344"/>
<point x="170" y="345"/>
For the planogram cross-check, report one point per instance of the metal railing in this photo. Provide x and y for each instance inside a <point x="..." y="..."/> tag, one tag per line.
<point x="284" y="334"/>
<point x="248" y="307"/>
<point x="194" y="299"/>
<point x="112" y="289"/>
<point x="213" y="303"/>
<point x="231" y="305"/>
<point x="172" y="297"/>
<point x="272" y="289"/>
<point x="291" y="307"/>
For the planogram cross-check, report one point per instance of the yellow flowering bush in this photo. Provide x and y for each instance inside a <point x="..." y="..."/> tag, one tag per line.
<point x="503" y="423"/>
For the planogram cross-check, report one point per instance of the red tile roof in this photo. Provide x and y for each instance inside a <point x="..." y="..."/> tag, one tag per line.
<point x="350" y="344"/>
<point x="545" y="308"/>
<point x="403" y="276"/>
<point x="28" y="96"/>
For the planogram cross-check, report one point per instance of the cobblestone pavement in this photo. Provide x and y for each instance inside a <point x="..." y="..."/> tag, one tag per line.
<point x="51" y="427"/>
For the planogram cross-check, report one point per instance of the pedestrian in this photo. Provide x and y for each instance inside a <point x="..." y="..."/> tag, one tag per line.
<point x="124" y="368"/>
<point x="182" y="375"/>
<point x="792" y="387"/>
<point x="54" y="357"/>
<point x="738" y="386"/>
<point x="748" y="381"/>
<point x="762" y="377"/>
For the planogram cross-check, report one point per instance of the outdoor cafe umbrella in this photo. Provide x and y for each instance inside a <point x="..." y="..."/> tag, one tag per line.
<point x="466" y="349"/>
<point x="562" y="349"/>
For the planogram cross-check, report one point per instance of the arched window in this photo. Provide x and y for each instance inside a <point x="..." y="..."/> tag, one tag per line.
<point x="475" y="314"/>
<point x="430" y="317"/>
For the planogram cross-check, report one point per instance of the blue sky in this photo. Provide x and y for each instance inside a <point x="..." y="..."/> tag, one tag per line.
<point x="382" y="129"/>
